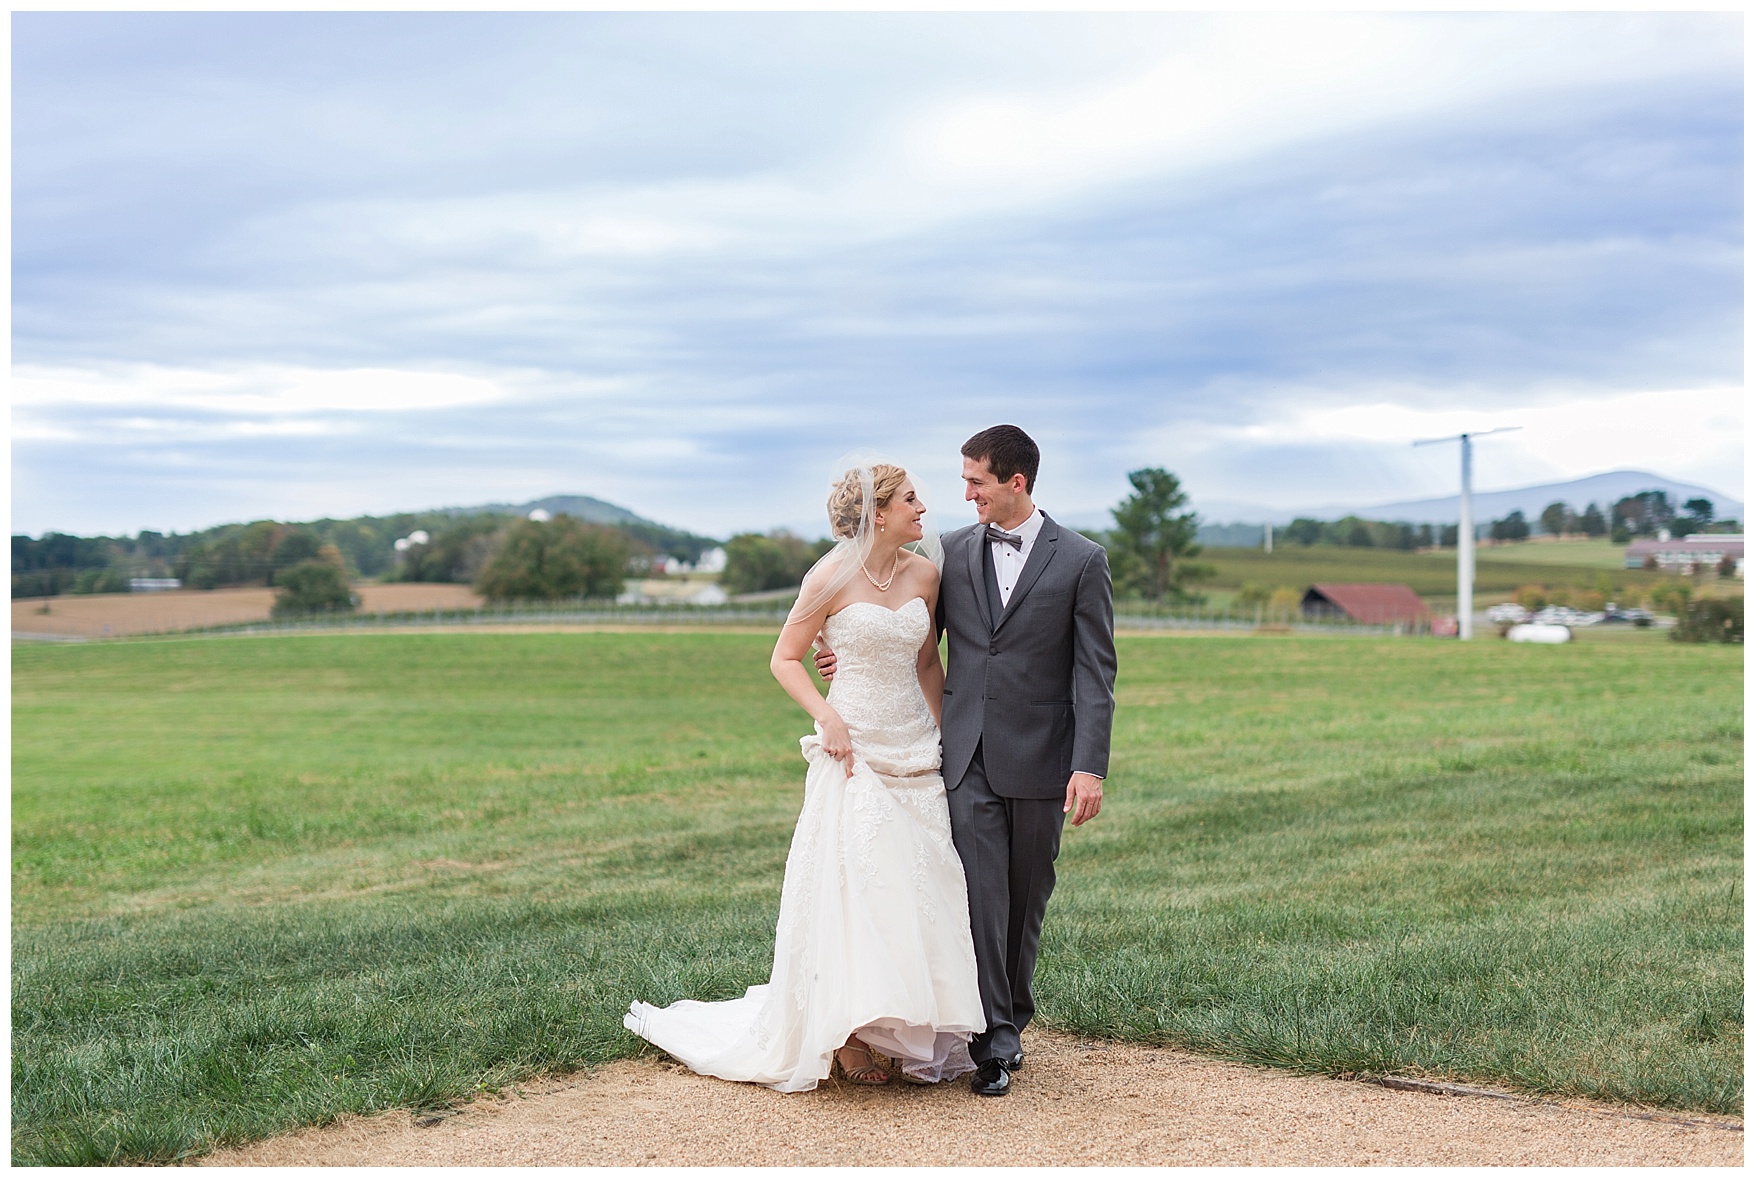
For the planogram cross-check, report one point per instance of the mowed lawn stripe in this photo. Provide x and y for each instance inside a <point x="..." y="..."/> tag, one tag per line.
<point x="258" y="882"/>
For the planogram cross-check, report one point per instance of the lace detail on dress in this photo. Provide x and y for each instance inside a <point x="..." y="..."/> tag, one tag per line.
<point x="877" y="693"/>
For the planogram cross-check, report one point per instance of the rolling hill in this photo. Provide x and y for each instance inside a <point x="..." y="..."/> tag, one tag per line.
<point x="583" y="507"/>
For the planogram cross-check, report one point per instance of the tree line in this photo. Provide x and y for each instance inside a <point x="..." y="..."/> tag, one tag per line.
<point x="503" y="559"/>
<point x="515" y="560"/>
<point x="1152" y="547"/>
<point x="1644" y="514"/>
<point x="1351" y="531"/>
<point x="1631" y="517"/>
<point x="259" y="553"/>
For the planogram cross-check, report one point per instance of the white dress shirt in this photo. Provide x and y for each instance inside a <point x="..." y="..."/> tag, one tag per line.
<point x="1008" y="562"/>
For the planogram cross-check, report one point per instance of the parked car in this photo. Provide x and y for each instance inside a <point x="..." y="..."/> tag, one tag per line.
<point x="1565" y="615"/>
<point x="1507" y="611"/>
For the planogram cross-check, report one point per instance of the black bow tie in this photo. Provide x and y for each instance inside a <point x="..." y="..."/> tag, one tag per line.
<point x="1005" y="537"/>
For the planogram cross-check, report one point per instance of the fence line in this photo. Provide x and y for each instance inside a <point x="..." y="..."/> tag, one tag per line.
<point x="504" y="616"/>
<point x="1247" y="625"/>
<point x="594" y="614"/>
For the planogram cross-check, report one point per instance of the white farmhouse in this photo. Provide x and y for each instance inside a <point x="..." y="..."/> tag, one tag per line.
<point x="1684" y="556"/>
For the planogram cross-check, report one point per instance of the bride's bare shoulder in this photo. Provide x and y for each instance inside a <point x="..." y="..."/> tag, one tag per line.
<point x="921" y="568"/>
<point x="822" y="585"/>
<point x="819" y="576"/>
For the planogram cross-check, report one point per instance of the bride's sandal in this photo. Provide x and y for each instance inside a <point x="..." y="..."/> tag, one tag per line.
<point x="869" y="1073"/>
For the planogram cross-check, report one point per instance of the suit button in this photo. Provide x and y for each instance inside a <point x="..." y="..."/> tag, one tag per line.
<point x="993" y="650"/>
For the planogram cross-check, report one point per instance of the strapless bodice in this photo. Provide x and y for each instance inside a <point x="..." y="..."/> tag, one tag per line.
<point x="876" y="688"/>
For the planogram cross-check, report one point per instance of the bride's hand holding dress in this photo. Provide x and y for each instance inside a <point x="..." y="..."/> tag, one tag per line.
<point x="787" y="666"/>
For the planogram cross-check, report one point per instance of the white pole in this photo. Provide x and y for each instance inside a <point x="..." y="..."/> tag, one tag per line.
<point x="1267" y="538"/>
<point x="1465" y="531"/>
<point x="1465" y="555"/>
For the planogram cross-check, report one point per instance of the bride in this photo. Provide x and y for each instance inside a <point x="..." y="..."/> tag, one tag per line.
<point x="872" y="951"/>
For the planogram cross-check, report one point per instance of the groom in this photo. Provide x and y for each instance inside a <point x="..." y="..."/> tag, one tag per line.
<point x="1029" y="697"/>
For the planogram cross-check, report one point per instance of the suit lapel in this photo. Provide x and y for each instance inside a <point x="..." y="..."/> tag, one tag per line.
<point x="978" y="578"/>
<point x="1041" y="552"/>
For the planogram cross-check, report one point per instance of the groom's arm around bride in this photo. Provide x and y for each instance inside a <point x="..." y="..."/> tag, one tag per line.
<point x="1092" y="678"/>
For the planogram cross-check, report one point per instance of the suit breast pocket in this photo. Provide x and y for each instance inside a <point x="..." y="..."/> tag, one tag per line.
<point x="1053" y="603"/>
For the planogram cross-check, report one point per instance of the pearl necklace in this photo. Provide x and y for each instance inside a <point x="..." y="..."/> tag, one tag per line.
<point x="885" y="586"/>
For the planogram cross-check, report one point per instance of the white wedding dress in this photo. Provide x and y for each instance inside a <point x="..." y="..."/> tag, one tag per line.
<point x="873" y="934"/>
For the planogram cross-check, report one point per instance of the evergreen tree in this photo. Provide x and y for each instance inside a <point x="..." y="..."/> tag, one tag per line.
<point x="1152" y="542"/>
<point x="1698" y="519"/>
<point x="1557" y="519"/>
<point x="1591" y="523"/>
<point x="1512" y="527"/>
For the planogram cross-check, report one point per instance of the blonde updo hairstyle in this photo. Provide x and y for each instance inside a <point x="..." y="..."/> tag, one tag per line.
<point x="847" y="500"/>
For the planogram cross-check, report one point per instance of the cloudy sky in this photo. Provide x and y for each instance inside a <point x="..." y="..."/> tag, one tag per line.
<point x="285" y="265"/>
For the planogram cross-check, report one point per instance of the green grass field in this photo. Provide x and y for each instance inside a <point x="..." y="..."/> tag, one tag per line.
<point x="1597" y="554"/>
<point x="1499" y="571"/>
<point x="260" y="881"/>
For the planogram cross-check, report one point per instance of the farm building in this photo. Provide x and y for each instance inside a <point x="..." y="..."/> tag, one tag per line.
<point x="1374" y="602"/>
<point x="1702" y="550"/>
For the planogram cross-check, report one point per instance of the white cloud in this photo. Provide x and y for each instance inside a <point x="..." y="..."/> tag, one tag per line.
<point x="1681" y="433"/>
<point x="1237" y="86"/>
<point x="678" y="299"/>
<point x="1686" y="433"/>
<point x="1228" y="84"/>
<point x="1219" y="89"/>
<point x="513" y="229"/>
<point x="254" y="391"/>
<point x="1578" y="433"/>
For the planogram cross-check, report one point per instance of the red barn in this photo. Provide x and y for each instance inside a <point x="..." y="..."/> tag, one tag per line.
<point x="1376" y="603"/>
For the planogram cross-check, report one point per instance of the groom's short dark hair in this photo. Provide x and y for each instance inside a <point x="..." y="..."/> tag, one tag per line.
<point x="1007" y="450"/>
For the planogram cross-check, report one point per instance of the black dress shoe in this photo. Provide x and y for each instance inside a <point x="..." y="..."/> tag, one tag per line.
<point x="1015" y="1062"/>
<point x="992" y="1078"/>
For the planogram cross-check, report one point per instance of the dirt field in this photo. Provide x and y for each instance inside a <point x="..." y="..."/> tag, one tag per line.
<point x="1077" y="1102"/>
<point x="110" y="615"/>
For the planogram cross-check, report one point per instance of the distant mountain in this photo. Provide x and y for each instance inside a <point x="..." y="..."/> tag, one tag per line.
<point x="239" y="553"/>
<point x="684" y="545"/>
<point x="1601" y="489"/>
<point x="584" y="507"/>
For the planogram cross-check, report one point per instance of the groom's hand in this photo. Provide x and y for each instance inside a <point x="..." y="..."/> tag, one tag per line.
<point x="825" y="663"/>
<point x="1084" y="797"/>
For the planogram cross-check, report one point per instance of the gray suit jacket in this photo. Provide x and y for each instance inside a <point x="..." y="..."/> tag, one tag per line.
<point x="1034" y="686"/>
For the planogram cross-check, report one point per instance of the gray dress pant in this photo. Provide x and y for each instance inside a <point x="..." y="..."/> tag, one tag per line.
<point x="1008" y="847"/>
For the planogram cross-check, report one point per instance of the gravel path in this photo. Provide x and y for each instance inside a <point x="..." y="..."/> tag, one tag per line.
<point x="1077" y="1102"/>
